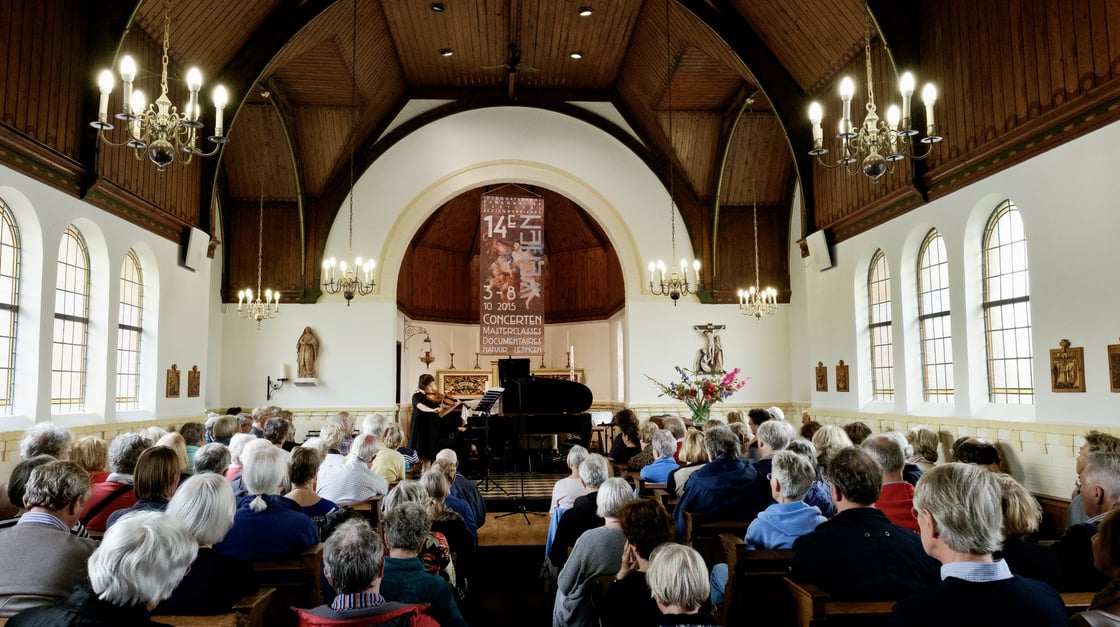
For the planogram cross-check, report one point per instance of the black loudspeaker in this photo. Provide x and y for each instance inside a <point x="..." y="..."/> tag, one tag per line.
<point x="510" y="373"/>
<point x="195" y="244"/>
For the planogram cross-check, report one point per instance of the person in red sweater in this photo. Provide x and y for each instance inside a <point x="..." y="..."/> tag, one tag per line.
<point x="116" y="491"/>
<point x="896" y="499"/>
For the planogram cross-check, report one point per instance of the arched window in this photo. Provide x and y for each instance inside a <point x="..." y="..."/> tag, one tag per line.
<point x="1007" y="308"/>
<point x="9" y="305"/>
<point x="934" y="320"/>
<point x="129" y="333"/>
<point x="879" y="326"/>
<point x="71" y="325"/>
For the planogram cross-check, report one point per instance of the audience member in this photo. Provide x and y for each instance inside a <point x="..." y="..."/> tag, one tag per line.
<point x="245" y="423"/>
<point x="152" y="434"/>
<point x="597" y="552"/>
<point x="646" y="525"/>
<point x="236" y="448"/>
<point x="860" y="554"/>
<point x="440" y="491"/>
<point x="755" y="418"/>
<point x="389" y="463"/>
<point x="1095" y="442"/>
<point x="692" y="456"/>
<point x="1021" y="517"/>
<point x="789" y="518"/>
<point x="980" y="452"/>
<point x="116" y="491"/>
<point x="405" y="580"/>
<point x="303" y="466"/>
<point x="678" y="582"/>
<point x="43" y="560"/>
<point x="959" y="513"/>
<point x="1100" y="491"/>
<point x="277" y="432"/>
<point x="204" y="504"/>
<point x="157" y="476"/>
<point x="776" y="413"/>
<point x="316" y="444"/>
<point x="176" y="443"/>
<point x="267" y="525"/>
<point x="675" y="425"/>
<point x="137" y="565"/>
<point x="463" y="488"/>
<point x="353" y="481"/>
<point x="646" y="431"/>
<point x="734" y="416"/>
<point x="829" y="441"/>
<point x="773" y="436"/>
<point x="374" y="424"/>
<point x="857" y="432"/>
<point x="331" y="435"/>
<point x="627" y="443"/>
<point x="911" y="472"/>
<point x="17" y="486"/>
<point x="250" y="449"/>
<point x="664" y="446"/>
<point x="353" y="563"/>
<point x="1105" y="608"/>
<point x="896" y="498"/>
<point x="193" y="437"/>
<point x="925" y="443"/>
<point x="583" y="514"/>
<point x="435" y="553"/>
<point x="724" y="488"/>
<point x="818" y="495"/>
<point x="345" y="424"/>
<point x="92" y="454"/>
<point x="809" y="429"/>
<point x="213" y="457"/>
<point x="225" y="427"/>
<point x="42" y="439"/>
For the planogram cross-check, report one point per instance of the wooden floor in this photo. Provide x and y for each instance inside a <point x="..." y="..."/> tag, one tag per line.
<point x="511" y="529"/>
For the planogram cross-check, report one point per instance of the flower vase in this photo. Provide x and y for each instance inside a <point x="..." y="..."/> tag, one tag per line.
<point x="700" y="414"/>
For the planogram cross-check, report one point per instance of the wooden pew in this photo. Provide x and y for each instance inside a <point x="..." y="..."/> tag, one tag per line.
<point x="370" y="510"/>
<point x="248" y="612"/>
<point x="703" y="535"/>
<point x="815" y="608"/>
<point x="756" y="591"/>
<point x="296" y="580"/>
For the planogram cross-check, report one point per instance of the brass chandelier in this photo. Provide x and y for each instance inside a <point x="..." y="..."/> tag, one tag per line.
<point x="250" y="305"/>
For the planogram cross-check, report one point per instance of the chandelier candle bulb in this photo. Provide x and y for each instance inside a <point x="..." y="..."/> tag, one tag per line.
<point x="194" y="83"/>
<point x="221" y="99"/>
<point x="105" y="85"/>
<point x="929" y="96"/>
<point x="906" y="86"/>
<point x="847" y="90"/>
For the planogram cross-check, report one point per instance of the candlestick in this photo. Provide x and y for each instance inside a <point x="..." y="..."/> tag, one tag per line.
<point x="476" y="361"/>
<point x="452" y="366"/>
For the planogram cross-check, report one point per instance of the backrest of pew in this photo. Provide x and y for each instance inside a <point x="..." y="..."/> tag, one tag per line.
<point x="756" y="591"/>
<point x="703" y="535"/>
<point x="296" y="580"/>
<point x="248" y="612"/>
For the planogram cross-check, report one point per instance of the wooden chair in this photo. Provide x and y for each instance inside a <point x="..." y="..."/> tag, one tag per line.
<point x="296" y="580"/>
<point x="1077" y="601"/>
<point x="599" y="589"/>
<point x="248" y="612"/>
<point x="815" y="608"/>
<point x="703" y="534"/>
<point x="756" y="591"/>
<point x="370" y="510"/>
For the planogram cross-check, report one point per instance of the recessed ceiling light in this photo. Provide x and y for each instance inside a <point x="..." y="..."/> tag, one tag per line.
<point x="575" y="54"/>
<point x="585" y="11"/>
<point x="446" y="52"/>
<point x="437" y="7"/>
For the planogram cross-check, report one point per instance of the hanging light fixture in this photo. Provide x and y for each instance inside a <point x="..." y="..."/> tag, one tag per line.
<point x="876" y="144"/>
<point x="249" y="305"/>
<point x="676" y="285"/>
<point x="159" y="130"/>
<point x="757" y="301"/>
<point x="426" y="351"/>
<point x="356" y="277"/>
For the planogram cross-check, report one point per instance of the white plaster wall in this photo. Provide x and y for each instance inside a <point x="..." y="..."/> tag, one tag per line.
<point x="1067" y="198"/>
<point x="176" y="335"/>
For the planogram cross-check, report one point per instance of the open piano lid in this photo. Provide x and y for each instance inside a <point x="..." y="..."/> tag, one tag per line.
<point x="540" y="395"/>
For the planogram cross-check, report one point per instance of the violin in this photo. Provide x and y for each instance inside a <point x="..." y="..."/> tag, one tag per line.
<point x="441" y="399"/>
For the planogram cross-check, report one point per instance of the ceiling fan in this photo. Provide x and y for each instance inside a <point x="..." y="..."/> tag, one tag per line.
<point x="512" y="66"/>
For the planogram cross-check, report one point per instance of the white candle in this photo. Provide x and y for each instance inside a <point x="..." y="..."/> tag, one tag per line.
<point x="572" y="355"/>
<point x="451" y="341"/>
<point x="283" y="370"/>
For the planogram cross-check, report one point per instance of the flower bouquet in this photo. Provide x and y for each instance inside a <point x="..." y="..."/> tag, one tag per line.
<point x="699" y="391"/>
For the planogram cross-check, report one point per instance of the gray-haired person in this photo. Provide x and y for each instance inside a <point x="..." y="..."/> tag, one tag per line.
<point x="405" y="580"/>
<point x="678" y="581"/>
<point x="960" y="515"/>
<point x="139" y="562"/>
<point x="44" y="561"/>
<point x="353" y="563"/>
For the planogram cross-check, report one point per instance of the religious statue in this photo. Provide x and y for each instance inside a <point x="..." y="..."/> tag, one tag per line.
<point x="194" y="381"/>
<point x="173" y="381"/>
<point x="715" y="358"/>
<point x="710" y="357"/>
<point x="307" y="351"/>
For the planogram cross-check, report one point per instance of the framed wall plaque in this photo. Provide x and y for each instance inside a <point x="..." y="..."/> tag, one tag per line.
<point x="173" y="381"/>
<point x="822" y="377"/>
<point x="194" y="381"/>
<point x="1067" y="368"/>
<point x="841" y="376"/>
<point x="1114" y="367"/>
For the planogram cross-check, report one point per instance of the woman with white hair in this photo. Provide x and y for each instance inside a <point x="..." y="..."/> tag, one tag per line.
<point x="266" y="525"/>
<point x="205" y="505"/>
<point x="597" y="552"/>
<point x="236" y="449"/>
<point x="389" y="463"/>
<point x="678" y="579"/>
<point x="353" y="481"/>
<point x="139" y="563"/>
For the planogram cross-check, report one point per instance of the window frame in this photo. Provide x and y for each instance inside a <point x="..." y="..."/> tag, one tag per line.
<point x="940" y="293"/>
<point x="875" y="325"/>
<point x="72" y="325"/>
<point x="127" y="355"/>
<point x="1003" y="395"/>
<point x="9" y="270"/>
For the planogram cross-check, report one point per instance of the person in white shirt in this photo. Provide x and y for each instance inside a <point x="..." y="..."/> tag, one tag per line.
<point x="353" y="481"/>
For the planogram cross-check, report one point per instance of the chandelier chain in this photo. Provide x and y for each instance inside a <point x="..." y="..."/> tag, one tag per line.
<point x="353" y="109"/>
<point x="669" y="98"/>
<point x="867" y="59"/>
<point x="754" y="209"/>
<point x="166" y="42"/>
<point x="260" y="232"/>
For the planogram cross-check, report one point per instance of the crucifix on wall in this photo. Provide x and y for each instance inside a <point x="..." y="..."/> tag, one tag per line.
<point x="710" y="357"/>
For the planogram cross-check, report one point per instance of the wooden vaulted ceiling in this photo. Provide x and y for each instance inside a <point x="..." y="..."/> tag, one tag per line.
<point x="715" y="90"/>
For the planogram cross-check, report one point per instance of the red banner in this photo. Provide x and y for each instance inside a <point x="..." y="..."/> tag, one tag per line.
<point x="510" y="268"/>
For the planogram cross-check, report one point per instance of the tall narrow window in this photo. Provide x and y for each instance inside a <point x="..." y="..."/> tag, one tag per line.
<point x="935" y="321"/>
<point x="71" y="325"/>
<point x="879" y="316"/>
<point x="9" y="305"/>
<point x="129" y="334"/>
<point x="1007" y="311"/>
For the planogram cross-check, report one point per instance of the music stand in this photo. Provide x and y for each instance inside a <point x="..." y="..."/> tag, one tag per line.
<point x="482" y="408"/>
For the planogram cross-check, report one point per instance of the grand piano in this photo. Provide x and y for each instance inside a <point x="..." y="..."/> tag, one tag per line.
<point x="537" y="406"/>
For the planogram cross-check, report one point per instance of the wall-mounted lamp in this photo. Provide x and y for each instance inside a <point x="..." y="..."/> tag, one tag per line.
<point x="426" y="352"/>
<point x="272" y="387"/>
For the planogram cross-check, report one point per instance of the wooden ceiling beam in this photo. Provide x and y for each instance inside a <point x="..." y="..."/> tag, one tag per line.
<point x="728" y="124"/>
